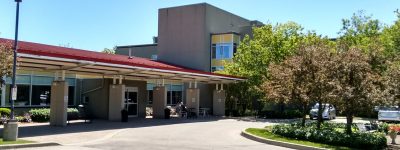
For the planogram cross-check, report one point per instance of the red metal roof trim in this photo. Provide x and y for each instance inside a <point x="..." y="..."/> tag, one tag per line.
<point x="78" y="54"/>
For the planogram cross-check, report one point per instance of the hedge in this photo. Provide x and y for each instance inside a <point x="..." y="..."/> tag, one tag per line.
<point x="329" y="134"/>
<point x="43" y="114"/>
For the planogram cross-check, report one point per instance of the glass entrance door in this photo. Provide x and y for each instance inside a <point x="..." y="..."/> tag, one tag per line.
<point x="131" y="101"/>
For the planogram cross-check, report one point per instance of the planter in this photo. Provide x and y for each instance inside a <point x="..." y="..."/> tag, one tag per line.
<point x="393" y="136"/>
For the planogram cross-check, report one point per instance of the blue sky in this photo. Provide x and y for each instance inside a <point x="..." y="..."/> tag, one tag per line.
<point x="97" y="24"/>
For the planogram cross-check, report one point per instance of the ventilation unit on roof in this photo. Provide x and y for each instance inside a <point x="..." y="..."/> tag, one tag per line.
<point x="130" y="53"/>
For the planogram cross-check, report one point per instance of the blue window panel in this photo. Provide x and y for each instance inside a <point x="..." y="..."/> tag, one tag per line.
<point x="71" y="81"/>
<point x="20" y="79"/>
<point x="168" y="86"/>
<point x="226" y="51"/>
<point x="219" y="52"/>
<point x="223" y="51"/>
<point x="42" y="80"/>
<point x="150" y="86"/>
<point x="176" y="87"/>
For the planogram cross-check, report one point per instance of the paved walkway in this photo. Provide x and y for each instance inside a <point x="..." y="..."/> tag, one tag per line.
<point x="155" y="134"/>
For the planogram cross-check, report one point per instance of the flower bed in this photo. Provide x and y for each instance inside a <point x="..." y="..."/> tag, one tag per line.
<point x="331" y="134"/>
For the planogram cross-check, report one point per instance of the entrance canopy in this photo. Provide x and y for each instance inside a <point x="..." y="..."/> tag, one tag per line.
<point x="34" y="56"/>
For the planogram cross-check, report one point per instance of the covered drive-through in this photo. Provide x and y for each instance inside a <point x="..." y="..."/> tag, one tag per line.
<point x="119" y="70"/>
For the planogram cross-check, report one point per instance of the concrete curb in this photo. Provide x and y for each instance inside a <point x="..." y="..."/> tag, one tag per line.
<point x="278" y="143"/>
<point x="28" y="145"/>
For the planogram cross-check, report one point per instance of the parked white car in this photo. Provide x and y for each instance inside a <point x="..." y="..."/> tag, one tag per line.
<point x="328" y="113"/>
<point x="389" y="114"/>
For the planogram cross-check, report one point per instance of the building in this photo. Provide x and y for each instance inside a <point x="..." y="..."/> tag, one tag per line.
<point x="201" y="34"/>
<point x="192" y="42"/>
<point x="197" y="36"/>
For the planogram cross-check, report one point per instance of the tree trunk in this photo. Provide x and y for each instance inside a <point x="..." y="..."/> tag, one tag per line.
<point x="320" y="111"/>
<point x="349" y="118"/>
<point x="303" y="120"/>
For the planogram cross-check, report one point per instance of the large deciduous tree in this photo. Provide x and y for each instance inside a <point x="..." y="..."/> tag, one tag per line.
<point x="304" y="77"/>
<point x="357" y="86"/>
<point x="6" y="60"/>
<point x="268" y="44"/>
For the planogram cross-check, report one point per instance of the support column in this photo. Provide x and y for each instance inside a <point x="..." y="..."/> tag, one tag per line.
<point x="116" y="101"/>
<point x="219" y="98"/>
<point x="193" y="99"/>
<point x="59" y="103"/>
<point x="3" y="95"/>
<point x="159" y="101"/>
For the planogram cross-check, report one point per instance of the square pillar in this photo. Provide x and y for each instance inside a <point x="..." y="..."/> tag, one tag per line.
<point x="159" y="101"/>
<point x="219" y="98"/>
<point x="3" y="95"/>
<point x="193" y="99"/>
<point x="116" y="101"/>
<point x="59" y="103"/>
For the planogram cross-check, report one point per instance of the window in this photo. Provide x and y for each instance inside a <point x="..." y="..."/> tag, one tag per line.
<point x="217" y="68"/>
<point x="150" y="96"/>
<point x="35" y="90"/>
<point x="41" y="95"/>
<point x="222" y="51"/>
<point x="174" y="93"/>
<point x="154" y="57"/>
<point x="71" y="95"/>
<point x="176" y="97"/>
<point x="22" y="95"/>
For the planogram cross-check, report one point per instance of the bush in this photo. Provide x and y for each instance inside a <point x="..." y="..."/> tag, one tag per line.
<point x="287" y="114"/>
<point x="5" y="112"/>
<point x="43" y="114"/>
<point x="383" y="127"/>
<point x="40" y="115"/>
<point x="328" y="134"/>
<point x="25" y="118"/>
<point x="72" y="114"/>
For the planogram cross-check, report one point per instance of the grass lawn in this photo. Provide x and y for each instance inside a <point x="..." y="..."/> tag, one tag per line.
<point x="265" y="133"/>
<point x="14" y="142"/>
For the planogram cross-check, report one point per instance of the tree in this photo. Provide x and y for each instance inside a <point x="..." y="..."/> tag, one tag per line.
<point x="6" y="60"/>
<point x="392" y="78"/>
<point x="365" y="34"/>
<point x="357" y="86"/>
<point x="268" y="44"/>
<point x="109" y="51"/>
<point x="304" y="77"/>
<point x="391" y="38"/>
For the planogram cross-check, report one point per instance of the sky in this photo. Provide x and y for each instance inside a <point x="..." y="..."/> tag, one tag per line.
<point x="99" y="24"/>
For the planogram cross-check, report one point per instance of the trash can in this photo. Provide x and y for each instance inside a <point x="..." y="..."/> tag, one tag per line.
<point x="167" y="113"/>
<point x="124" y="115"/>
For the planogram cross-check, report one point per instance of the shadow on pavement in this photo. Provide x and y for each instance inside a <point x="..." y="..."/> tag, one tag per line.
<point x="99" y="125"/>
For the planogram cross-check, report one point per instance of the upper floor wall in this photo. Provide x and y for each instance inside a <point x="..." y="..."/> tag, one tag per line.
<point x="184" y="33"/>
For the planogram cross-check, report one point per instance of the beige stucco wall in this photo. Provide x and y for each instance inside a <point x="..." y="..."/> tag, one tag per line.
<point x="193" y="98"/>
<point x="219" y="102"/>
<point x="116" y="101"/>
<point x="59" y="103"/>
<point x="99" y="99"/>
<point x="159" y="101"/>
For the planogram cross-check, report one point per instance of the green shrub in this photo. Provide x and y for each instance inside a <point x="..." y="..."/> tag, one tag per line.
<point x="383" y="127"/>
<point x="40" y="115"/>
<point x="72" y="114"/>
<point x="43" y="114"/>
<point x="328" y="134"/>
<point x="5" y="112"/>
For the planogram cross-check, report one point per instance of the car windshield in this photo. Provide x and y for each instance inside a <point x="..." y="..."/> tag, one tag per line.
<point x="316" y="106"/>
<point x="388" y="108"/>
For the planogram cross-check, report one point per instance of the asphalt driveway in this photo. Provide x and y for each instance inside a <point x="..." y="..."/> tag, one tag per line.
<point x="155" y="134"/>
